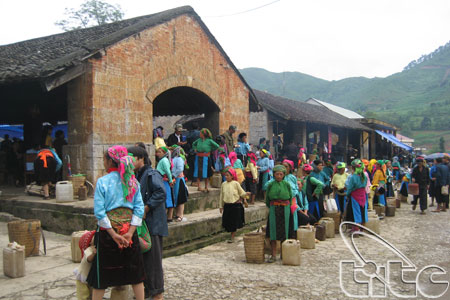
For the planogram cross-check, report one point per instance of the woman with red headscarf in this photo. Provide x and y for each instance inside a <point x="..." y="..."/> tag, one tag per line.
<point x="119" y="209"/>
<point x="230" y="205"/>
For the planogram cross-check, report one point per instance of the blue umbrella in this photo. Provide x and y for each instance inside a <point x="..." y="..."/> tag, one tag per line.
<point x="436" y="155"/>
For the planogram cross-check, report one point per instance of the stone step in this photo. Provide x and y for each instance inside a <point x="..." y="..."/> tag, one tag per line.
<point x="201" y="228"/>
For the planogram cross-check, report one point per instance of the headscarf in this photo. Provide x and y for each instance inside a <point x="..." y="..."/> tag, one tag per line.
<point x="371" y="165"/>
<point x="365" y="162"/>
<point x="251" y="157"/>
<point x="395" y="159"/>
<point x="85" y="241"/>
<point x="119" y="154"/>
<point x="307" y="168"/>
<point x="341" y="165"/>
<point x="206" y="133"/>
<point x="358" y="165"/>
<point x="290" y="163"/>
<point x="266" y="153"/>
<point x="233" y="157"/>
<point x="232" y="172"/>
<point x="167" y="154"/>
<point x="279" y="168"/>
<point x="302" y="150"/>
<point x="381" y="162"/>
<point x="157" y="132"/>
<point x="179" y="152"/>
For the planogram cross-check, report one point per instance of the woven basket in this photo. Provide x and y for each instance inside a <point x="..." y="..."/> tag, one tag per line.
<point x="77" y="181"/>
<point x="26" y="233"/>
<point x="254" y="247"/>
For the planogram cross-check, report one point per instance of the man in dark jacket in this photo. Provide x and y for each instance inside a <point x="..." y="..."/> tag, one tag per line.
<point x="154" y="197"/>
<point x="420" y="175"/>
<point x="441" y="178"/>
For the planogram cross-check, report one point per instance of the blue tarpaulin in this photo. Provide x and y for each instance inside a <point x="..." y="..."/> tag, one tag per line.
<point x="394" y="140"/>
<point x="16" y="131"/>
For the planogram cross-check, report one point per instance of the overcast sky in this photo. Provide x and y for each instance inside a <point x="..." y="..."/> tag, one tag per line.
<point x="329" y="39"/>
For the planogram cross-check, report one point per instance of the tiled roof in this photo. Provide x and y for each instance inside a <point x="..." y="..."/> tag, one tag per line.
<point x="301" y="111"/>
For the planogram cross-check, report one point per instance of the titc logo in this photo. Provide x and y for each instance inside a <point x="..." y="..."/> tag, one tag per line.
<point x="363" y="278"/>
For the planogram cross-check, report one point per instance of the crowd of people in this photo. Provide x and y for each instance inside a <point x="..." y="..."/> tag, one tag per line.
<point x="134" y="202"/>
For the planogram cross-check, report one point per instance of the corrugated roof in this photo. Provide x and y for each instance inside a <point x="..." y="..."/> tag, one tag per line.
<point x="301" y="111"/>
<point x="340" y="110"/>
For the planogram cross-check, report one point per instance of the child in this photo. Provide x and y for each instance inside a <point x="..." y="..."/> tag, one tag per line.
<point x="230" y="204"/>
<point x="278" y="200"/>
<point x="88" y="252"/>
<point x="338" y="185"/>
<point x="251" y="176"/>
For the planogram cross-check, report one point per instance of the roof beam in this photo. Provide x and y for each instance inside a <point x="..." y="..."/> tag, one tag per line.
<point x="63" y="77"/>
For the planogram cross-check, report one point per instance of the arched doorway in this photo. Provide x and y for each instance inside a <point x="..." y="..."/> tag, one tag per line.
<point x="177" y="104"/>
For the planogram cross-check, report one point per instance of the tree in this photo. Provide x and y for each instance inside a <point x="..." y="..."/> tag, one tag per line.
<point x="90" y="13"/>
<point x="442" y="144"/>
<point x="426" y="123"/>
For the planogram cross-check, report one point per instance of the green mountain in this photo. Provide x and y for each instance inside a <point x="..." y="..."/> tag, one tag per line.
<point x="417" y="98"/>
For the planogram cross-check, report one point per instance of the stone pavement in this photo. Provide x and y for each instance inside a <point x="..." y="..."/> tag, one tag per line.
<point x="219" y="271"/>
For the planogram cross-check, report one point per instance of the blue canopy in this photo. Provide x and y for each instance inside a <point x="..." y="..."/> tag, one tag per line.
<point x="16" y="131"/>
<point x="394" y="140"/>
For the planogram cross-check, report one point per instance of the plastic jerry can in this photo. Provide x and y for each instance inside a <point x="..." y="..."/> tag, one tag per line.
<point x="373" y="224"/>
<point x="74" y="245"/>
<point x="390" y="211"/>
<point x="320" y="232"/>
<point x="336" y="216"/>
<point x="64" y="191"/>
<point x="291" y="253"/>
<point x="14" y="260"/>
<point x="329" y="226"/>
<point x="307" y="237"/>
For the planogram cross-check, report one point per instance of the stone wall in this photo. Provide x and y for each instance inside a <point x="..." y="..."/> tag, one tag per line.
<point x="112" y="102"/>
<point x="258" y="127"/>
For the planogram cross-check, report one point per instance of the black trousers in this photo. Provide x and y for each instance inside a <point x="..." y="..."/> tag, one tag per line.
<point x="154" y="276"/>
<point x="423" y="198"/>
<point x="304" y="220"/>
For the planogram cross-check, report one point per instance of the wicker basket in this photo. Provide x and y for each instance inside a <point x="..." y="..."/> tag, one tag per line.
<point x="77" y="181"/>
<point x="26" y="233"/>
<point x="254" y="247"/>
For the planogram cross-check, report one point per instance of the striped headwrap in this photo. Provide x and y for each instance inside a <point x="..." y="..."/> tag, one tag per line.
<point x="206" y="133"/>
<point x="119" y="154"/>
<point x="279" y="168"/>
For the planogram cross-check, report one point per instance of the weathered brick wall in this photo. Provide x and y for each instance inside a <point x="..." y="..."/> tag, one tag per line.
<point x="112" y="103"/>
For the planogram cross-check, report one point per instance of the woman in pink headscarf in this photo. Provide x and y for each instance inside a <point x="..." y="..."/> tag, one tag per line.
<point x="119" y="209"/>
<point x="231" y="194"/>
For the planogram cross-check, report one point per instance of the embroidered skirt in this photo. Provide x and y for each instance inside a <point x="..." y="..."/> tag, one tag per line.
<point x="113" y="266"/>
<point x="202" y="167"/>
<point x="180" y="191"/>
<point x="169" y="196"/>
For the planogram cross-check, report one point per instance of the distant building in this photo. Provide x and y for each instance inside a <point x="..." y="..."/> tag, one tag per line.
<point x="405" y="140"/>
<point x="337" y="109"/>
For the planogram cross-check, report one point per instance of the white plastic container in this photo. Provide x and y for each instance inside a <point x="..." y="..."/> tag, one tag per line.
<point x="64" y="191"/>
<point x="307" y="237"/>
<point x="291" y="255"/>
<point x="14" y="260"/>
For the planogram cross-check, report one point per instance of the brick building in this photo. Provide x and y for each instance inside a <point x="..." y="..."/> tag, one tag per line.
<point x="109" y="81"/>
